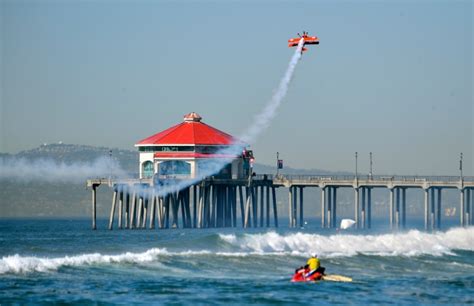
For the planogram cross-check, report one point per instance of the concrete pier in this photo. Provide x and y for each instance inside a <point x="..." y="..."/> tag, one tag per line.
<point x="213" y="202"/>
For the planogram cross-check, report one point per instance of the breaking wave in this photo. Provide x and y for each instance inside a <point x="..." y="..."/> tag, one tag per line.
<point x="24" y="264"/>
<point x="412" y="243"/>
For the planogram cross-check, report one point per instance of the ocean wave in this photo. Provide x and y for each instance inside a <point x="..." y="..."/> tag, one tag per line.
<point x="411" y="243"/>
<point x="24" y="264"/>
<point x="17" y="264"/>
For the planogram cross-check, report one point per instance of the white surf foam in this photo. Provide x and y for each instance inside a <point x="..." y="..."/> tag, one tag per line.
<point x="412" y="243"/>
<point x="23" y="264"/>
<point x="17" y="264"/>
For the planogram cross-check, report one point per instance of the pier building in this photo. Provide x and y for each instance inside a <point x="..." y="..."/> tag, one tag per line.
<point x="187" y="149"/>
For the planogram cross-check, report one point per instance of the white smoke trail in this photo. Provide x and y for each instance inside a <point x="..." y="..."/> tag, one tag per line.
<point x="48" y="170"/>
<point x="261" y="122"/>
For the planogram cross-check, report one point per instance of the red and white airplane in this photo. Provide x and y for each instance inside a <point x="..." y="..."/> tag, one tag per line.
<point x="308" y="40"/>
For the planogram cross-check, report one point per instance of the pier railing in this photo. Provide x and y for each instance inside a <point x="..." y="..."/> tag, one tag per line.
<point x="388" y="178"/>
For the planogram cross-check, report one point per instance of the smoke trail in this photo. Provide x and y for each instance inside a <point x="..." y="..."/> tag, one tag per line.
<point x="48" y="170"/>
<point x="262" y="121"/>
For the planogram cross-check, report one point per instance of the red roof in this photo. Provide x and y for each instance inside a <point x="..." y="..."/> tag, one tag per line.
<point x="190" y="132"/>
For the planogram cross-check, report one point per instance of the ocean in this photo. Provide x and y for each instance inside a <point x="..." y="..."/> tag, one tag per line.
<point x="63" y="261"/>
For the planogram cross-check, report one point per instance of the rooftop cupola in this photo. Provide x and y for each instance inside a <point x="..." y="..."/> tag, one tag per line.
<point x="192" y="117"/>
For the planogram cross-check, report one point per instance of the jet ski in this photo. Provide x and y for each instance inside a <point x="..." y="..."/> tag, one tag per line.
<point x="301" y="275"/>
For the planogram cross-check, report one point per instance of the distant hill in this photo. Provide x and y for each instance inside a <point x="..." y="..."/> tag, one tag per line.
<point x="127" y="159"/>
<point x="71" y="153"/>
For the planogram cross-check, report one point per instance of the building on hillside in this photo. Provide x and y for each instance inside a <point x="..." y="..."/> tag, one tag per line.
<point x="187" y="150"/>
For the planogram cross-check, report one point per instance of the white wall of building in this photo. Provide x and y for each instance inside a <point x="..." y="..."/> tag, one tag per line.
<point x="144" y="156"/>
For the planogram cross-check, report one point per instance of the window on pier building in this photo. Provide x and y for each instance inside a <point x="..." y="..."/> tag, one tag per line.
<point x="147" y="169"/>
<point x="175" y="167"/>
<point x="214" y="167"/>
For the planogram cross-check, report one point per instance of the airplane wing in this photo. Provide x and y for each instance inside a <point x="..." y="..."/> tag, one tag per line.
<point x="293" y="42"/>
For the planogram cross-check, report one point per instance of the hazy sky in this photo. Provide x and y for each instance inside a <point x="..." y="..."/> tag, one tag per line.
<point x="394" y="78"/>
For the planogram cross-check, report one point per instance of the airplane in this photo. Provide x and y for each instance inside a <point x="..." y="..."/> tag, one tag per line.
<point x="308" y="40"/>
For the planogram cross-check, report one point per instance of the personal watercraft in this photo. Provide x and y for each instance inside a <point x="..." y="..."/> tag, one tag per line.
<point x="301" y="275"/>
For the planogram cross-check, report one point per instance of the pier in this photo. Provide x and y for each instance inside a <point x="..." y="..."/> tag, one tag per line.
<point x="212" y="202"/>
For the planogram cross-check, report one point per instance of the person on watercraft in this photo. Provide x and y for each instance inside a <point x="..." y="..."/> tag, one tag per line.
<point x="300" y="270"/>
<point x="314" y="266"/>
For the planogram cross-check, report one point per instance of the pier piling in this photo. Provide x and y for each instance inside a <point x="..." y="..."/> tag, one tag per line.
<point x="301" y="207"/>
<point x="391" y="208"/>
<point x="267" y="202"/>
<point x="152" y="210"/>
<point x="362" y="213"/>
<point x="323" y="207"/>
<point x="356" y="207"/>
<point x="369" y="207"/>
<point x="94" y="205"/>
<point x="329" y="208"/>
<point x="120" y="206"/>
<point x="468" y="206"/>
<point x="112" y="209"/>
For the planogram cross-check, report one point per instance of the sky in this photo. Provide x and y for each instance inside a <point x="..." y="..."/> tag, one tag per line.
<point x="389" y="77"/>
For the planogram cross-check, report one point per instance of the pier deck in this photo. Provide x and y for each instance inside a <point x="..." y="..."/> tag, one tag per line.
<point x="213" y="202"/>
